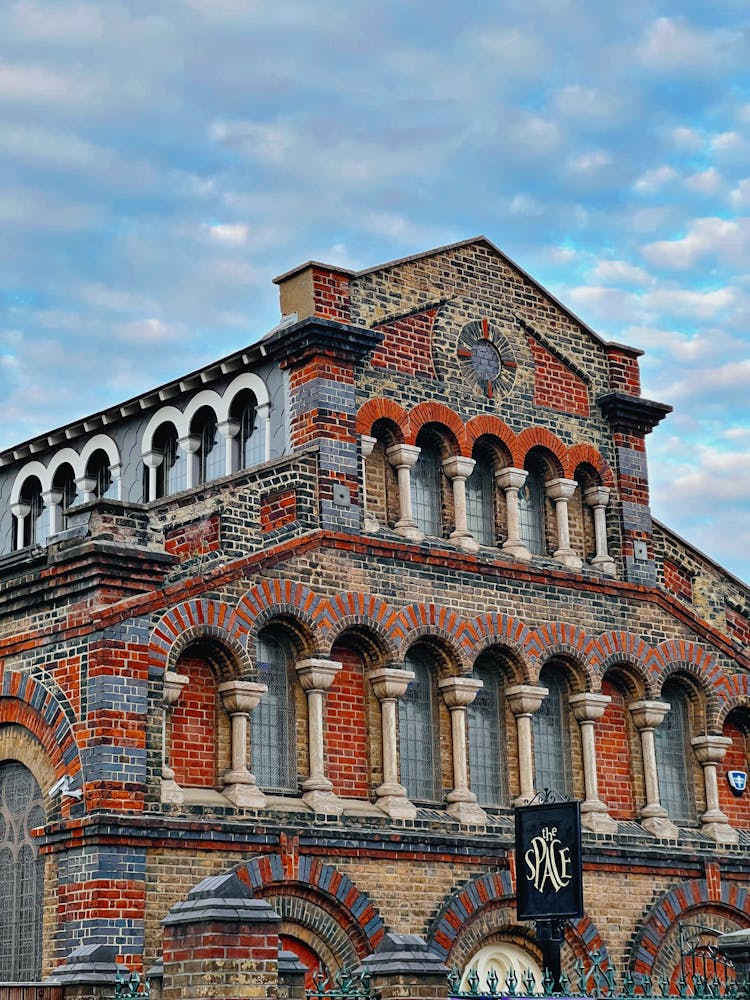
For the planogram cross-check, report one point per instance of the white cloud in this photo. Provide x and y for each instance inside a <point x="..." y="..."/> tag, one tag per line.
<point x="655" y="178"/>
<point x="705" y="181"/>
<point x="620" y="272"/>
<point x="231" y="234"/>
<point x="725" y="239"/>
<point x="672" y="45"/>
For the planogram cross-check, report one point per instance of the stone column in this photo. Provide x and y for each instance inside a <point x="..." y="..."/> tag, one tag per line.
<point x="510" y="482"/>
<point x="458" y="693"/>
<point x="403" y="968"/>
<point x="710" y="751"/>
<point x="240" y="786"/>
<point x="389" y="685"/>
<point x="524" y="700"/>
<point x="588" y="708"/>
<point x="597" y="497"/>
<point x="52" y="500"/>
<point x="561" y="491"/>
<point x="316" y="676"/>
<point x="264" y="417"/>
<point x="152" y="460"/>
<point x="229" y="429"/>
<point x="402" y="457"/>
<point x="189" y="445"/>
<point x="647" y="715"/>
<point x="458" y="469"/>
<point x="115" y="472"/>
<point x="20" y="512"/>
<point x="370" y="523"/>
<point x="173" y="685"/>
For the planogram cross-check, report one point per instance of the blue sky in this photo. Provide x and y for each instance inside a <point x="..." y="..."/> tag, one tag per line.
<point x="160" y="162"/>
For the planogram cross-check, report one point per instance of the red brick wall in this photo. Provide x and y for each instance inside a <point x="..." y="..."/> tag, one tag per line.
<point x="739" y="626"/>
<point x="346" y="727"/>
<point x="331" y="295"/>
<point x="624" y="373"/>
<point x="407" y="346"/>
<point x="678" y="581"/>
<point x="193" y="539"/>
<point x="313" y="424"/>
<point x="614" y="763"/>
<point x="737" y="808"/>
<point x="194" y="730"/>
<point x="278" y="509"/>
<point x="555" y="385"/>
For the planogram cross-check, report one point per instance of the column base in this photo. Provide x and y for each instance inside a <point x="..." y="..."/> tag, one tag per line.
<point x="595" y="817"/>
<point x="568" y="558"/>
<point x="241" y="789"/>
<point x="465" y="809"/>
<point x="605" y="564"/>
<point x="408" y="530"/>
<point x="465" y="540"/>
<point x="317" y="793"/>
<point x="369" y="525"/>
<point x="171" y="793"/>
<point x="721" y="832"/>
<point x="660" y="826"/>
<point x="391" y="798"/>
<point x="516" y="549"/>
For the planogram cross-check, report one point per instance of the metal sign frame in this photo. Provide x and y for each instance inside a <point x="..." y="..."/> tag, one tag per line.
<point x="549" y="862"/>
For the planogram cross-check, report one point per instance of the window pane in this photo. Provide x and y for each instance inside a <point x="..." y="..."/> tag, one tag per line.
<point x="419" y="758"/>
<point x="252" y="449"/>
<point x="672" y="754"/>
<point x="531" y="513"/>
<point x="425" y="492"/>
<point x="272" y="722"/>
<point x="486" y="738"/>
<point x="551" y="741"/>
<point x="480" y="513"/>
<point x="210" y="455"/>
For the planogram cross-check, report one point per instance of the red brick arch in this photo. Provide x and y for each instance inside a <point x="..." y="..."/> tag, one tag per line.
<point x="282" y="598"/>
<point x="421" y="620"/>
<point x="490" y="426"/>
<point x="354" y="608"/>
<point x="187" y="621"/>
<point x="539" y="437"/>
<point x="381" y="409"/>
<point x="585" y="453"/>
<point x="437" y="413"/>
<point x="498" y="630"/>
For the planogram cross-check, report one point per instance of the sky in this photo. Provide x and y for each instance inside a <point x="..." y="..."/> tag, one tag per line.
<point x="162" y="160"/>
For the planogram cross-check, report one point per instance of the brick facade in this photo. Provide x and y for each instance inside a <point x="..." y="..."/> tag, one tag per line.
<point x="130" y="650"/>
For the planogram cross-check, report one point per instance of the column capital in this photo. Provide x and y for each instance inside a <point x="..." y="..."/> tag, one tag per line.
<point x="597" y="496"/>
<point x="403" y="455"/>
<point x="710" y="749"/>
<point x="560" y="489"/>
<point x="152" y="459"/>
<point x="648" y="714"/>
<point x="241" y="696"/>
<point x="510" y="478"/>
<point x="525" y="699"/>
<point x="589" y="707"/>
<point x="458" y="692"/>
<point x="20" y="509"/>
<point x="390" y="682"/>
<point x="228" y="428"/>
<point x="190" y="443"/>
<point x="173" y="685"/>
<point x="458" y="466"/>
<point x="317" y="674"/>
<point x="367" y="443"/>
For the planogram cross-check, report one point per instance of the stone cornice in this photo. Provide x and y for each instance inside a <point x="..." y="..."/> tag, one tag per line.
<point x="632" y="413"/>
<point x="294" y="344"/>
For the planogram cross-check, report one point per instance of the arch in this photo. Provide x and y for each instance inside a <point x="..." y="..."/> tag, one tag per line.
<point x="278" y="599"/>
<point x="60" y="458"/>
<point x="166" y="415"/>
<point x="100" y="442"/>
<point x="381" y="409"/>
<point x="187" y="622"/>
<point x="489" y="425"/>
<point x="585" y="454"/>
<point x="539" y="437"/>
<point x="364" y="613"/>
<point x="431" y="620"/>
<point x="495" y="629"/>
<point x="682" y="655"/>
<point x="359" y="914"/>
<point x="26" y="472"/>
<point x="489" y="891"/>
<point x="735" y="695"/>
<point x="437" y="413"/>
<point x="726" y="898"/>
<point x="208" y="398"/>
<point x="567" y="641"/>
<point x="610" y="648"/>
<point x="251" y="381"/>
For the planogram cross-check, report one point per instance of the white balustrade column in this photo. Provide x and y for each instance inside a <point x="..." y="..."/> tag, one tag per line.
<point x="524" y="701"/>
<point x="53" y="502"/>
<point x="647" y="716"/>
<point x="189" y="446"/>
<point x="152" y="460"/>
<point x="710" y="751"/>
<point x="389" y="684"/>
<point x="369" y="523"/>
<point x="20" y="512"/>
<point x="561" y="491"/>
<point x="316" y="677"/>
<point x="263" y="411"/>
<point x="229" y="429"/>
<point x="403" y="457"/>
<point x="86" y="487"/>
<point x="597" y="497"/>
<point x="510" y="481"/>
<point x="458" y="693"/>
<point x="239" y="699"/>
<point x="458" y="469"/>
<point x="588" y="708"/>
<point x="173" y="685"/>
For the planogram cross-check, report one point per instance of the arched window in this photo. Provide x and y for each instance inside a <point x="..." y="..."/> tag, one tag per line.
<point x="21" y="874"/>
<point x="551" y="735"/>
<point x="486" y="738"/>
<point x="99" y="475"/>
<point x="274" y="758"/>
<point x="250" y="436"/>
<point x="425" y="491"/>
<point x="64" y="483"/>
<point x="480" y="502"/>
<point x="211" y="460"/>
<point x="170" y="472"/>
<point x="673" y="752"/>
<point x="35" y="522"/>
<point x="503" y="959"/>
<point x="419" y="752"/>
<point x="531" y="499"/>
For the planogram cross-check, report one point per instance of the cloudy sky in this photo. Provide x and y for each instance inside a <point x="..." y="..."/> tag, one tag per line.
<point x="162" y="160"/>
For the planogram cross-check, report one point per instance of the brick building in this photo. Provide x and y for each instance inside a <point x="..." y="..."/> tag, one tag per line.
<point x="312" y="619"/>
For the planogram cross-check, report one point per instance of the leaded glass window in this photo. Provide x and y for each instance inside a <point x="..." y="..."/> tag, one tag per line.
<point x="99" y="471"/>
<point x="65" y="483"/>
<point x="419" y="753"/>
<point x="251" y="434"/>
<point x="21" y="874"/>
<point x="551" y="736"/>
<point x="36" y="522"/>
<point x="672" y="755"/>
<point x="486" y="739"/>
<point x="531" y="511"/>
<point x="480" y="512"/>
<point x="211" y="459"/>
<point x="170" y="472"/>
<point x="273" y="730"/>
<point x="425" y="491"/>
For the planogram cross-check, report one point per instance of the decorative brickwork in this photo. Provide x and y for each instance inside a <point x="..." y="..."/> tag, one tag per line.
<point x="555" y="385"/>
<point x="192" y="540"/>
<point x="277" y="510"/>
<point x="678" y="581"/>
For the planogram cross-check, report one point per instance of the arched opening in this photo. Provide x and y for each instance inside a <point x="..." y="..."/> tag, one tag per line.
<point x="31" y="521"/>
<point x="480" y="499"/>
<point x="486" y="730"/>
<point x="64" y="484"/>
<point x="617" y="746"/>
<point x="347" y="712"/>
<point x="250" y="448"/>
<point x="500" y="963"/>
<point x="735" y="806"/>
<point x="426" y="499"/>
<point x="100" y="483"/>
<point x="210" y="459"/>
<point x="532" y="506"/>
<point x="200" y="727"/>
<point x="419" y="750"/>
<point x="673" y="751"/>
<point x="171" y="471"/>
<point x="21" y="874"/>
<point x="273" y="728"/>
<point x="552" y="762"/>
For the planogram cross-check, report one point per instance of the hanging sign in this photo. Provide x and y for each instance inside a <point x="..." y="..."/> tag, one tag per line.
<point x="549" y="876"/>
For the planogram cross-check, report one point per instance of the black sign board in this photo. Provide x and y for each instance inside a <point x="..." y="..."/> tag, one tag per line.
<point x="548" y="861"/>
